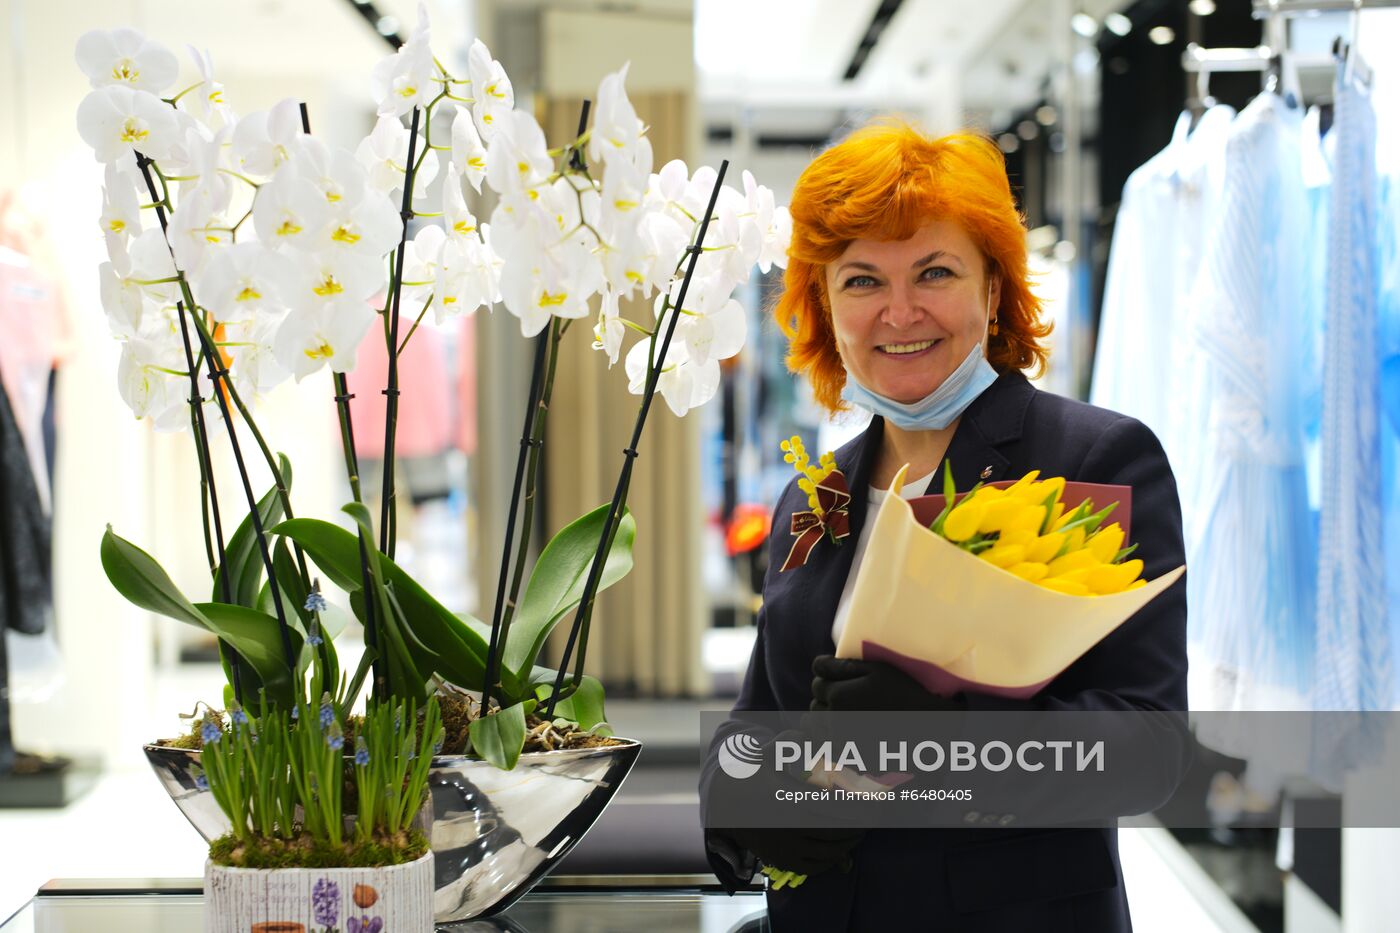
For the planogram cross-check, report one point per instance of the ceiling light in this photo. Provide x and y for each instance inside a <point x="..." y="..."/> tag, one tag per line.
<point x="1162" y="35"/>
<point x="387" y="25"/>
<point x="1118" y="24"/>
<point x="1084" y="24"/>
<point x="1203" y="7"/>
<point x="1027" y="130"/>
<point x="1065" y="252"/>
<point x="1046" y="115"/>
<point x="1008" y="142"/>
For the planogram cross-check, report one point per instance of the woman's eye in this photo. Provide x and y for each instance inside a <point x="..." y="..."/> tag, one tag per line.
<point x="936" y="272"/>
<point x="860" y="281"/>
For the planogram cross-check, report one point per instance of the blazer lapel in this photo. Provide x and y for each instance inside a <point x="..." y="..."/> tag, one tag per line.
<point x="996" y="418"/>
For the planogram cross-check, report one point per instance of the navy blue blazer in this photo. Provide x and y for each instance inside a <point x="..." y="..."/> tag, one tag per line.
<point x="973" y="879"/>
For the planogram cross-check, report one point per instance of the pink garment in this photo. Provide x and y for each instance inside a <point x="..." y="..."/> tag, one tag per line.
<point x="34" y="333"/>
<point x="425" y="394"/>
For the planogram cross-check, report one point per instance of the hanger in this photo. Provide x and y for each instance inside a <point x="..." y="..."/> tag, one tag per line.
<point x="1353" y="67"/>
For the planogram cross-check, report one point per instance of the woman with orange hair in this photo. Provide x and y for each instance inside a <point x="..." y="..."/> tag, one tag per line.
<point x="906" y="293"/>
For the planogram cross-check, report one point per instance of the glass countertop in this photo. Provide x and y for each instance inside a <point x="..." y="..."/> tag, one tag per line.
<point x="597" y="905"/>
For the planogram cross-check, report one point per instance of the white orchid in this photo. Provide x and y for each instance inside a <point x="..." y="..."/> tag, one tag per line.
<point x="333" y="172"/>
<point x="469" y="276"/>
<point x="126" y="58"/>
<point x="196" y="225"/>
<point x="241" y="281"/>
<point x="609" y="330"/>
<point x="265" y="139"/>
<point x="491" y="89"/>
<point x="543" y="277"/>
<point x="198" y="158"/>
<point x="773" y="223"/>
<point x="315" y="280"/>
<point x="618" y="134"/>
<point x="289" y="211"/>
<point x="421" y="258"/>
<point x="123" y="299"/>
<point x="682" y="383"/>
<point x="327" y="335"/>
<point x="366" y="230"/>
<point x="468" y="152"/>
<point x="210" y="94"/>
<point x="458" y="219"/>
<point x="713" y="326"/>
<point x="121" y="207"/>
<point x="384" y="155"/>
<point x="153" y="375"/>
<point x="404" y="80"/>
<point x="116" y="121"/>
<point x="518" y="158"/>
<point x="253" y="365"/>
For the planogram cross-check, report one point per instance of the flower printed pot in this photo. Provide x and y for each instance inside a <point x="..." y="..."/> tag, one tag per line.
<point x="393" y="899"/>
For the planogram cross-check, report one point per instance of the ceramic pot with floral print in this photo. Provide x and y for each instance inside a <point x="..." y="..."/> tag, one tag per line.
<point x="393" y="899"/>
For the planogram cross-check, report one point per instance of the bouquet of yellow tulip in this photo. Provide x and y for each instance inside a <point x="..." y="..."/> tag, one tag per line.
<point x="998" y="590"/>
<point x="1026" y="530"/>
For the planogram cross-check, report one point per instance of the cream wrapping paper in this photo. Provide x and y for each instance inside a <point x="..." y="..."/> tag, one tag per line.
<point x="956" y="622"/>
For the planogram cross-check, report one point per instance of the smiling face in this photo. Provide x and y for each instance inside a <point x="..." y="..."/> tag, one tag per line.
<point x="907" y="312"/>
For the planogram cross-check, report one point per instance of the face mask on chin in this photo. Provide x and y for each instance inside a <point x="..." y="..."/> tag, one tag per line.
<point x="943" y="405"/>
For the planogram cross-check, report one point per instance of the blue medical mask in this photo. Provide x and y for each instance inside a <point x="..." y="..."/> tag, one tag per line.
<point x="939" y="408"/>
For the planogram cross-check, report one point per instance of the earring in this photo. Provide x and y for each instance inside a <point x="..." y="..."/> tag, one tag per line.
<point x="993" y="329"/>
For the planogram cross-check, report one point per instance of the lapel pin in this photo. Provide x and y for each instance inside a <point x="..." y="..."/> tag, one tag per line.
<point x="986" y="471"/>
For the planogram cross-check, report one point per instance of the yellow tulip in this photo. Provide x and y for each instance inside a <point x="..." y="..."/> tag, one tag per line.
<point x="1004" y="555"/>
<point x="1106" y="543"/>
<point x="1110" y="578"/>
<point x="1076" y="538"/>
<point x="1068" y="587"/>
<point x="997" y="514"/>
<point x="1056" y="511"/>
<point x="1027" y="570"/>
<point x="1022" y="485"/>
<point x="1074" y="560"/>
<point x="1015" y="535"/>
<point x="962" y="522"/>
<point x="1045" y="547"/>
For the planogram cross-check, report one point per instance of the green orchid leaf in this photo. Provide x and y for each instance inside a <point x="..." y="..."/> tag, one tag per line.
<point x="257" y="638"/>
<point x="499" y="737"/>
<point x="557" y="583"/>
<point x="143" y="582"/>
<point x="584" y="706"/>
<point x="242" y="556"/>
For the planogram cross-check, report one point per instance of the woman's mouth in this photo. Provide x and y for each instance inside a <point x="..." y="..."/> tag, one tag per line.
<point x="906" y="349"/>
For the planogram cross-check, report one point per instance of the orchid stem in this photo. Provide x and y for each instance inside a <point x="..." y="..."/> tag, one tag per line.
<point x="578" y="632"/>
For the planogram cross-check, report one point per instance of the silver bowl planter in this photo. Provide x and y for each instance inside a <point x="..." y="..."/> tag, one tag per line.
<point x="494" y="833"/>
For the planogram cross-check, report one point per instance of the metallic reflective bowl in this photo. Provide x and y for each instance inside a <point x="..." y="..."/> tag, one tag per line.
<point x="494" y="833"/>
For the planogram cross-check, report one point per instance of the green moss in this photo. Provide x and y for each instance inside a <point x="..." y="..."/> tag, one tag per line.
<point x="307" y="852"/>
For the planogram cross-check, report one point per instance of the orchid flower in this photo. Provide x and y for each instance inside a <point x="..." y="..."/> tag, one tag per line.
<point x="289" y="211"/>
<point x="404" y="80"/>
<point x="491" y="89"/>
<point x="265" y="139"/>
<point x="468" y="152"/>
<point x="210" y="93"/>
<point x="117" y="120"/>
<point x="618" y="134"/>
<point x="326" y="335"/>
<point x="126" y="58"/>
<point x="469" y="276"/>
<point x="384" y="154"/>
<point x="518" y="159"/>
<point x="241" y="281"/>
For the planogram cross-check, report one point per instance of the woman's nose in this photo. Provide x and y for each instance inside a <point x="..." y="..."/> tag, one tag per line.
<point x="902" y="310"/>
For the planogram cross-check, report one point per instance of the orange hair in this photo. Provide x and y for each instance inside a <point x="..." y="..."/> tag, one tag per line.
<point x="885" y="182"/>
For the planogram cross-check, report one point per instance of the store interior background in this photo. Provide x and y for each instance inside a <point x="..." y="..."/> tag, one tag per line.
<point x="1078" y="94"/>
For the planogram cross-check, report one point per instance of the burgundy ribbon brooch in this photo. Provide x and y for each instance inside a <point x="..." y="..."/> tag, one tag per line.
<point x="831" y="518"/>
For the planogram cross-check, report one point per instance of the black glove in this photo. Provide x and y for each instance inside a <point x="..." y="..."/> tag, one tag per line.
<point x="805" y="851"/>
<point x="846" y="684"/>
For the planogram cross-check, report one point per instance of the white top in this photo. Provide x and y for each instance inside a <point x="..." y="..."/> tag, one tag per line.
<point x="912" y="490"/>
